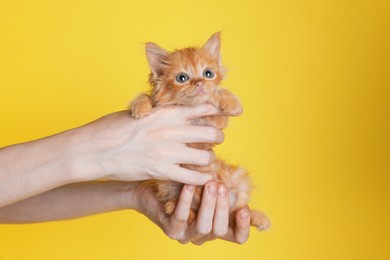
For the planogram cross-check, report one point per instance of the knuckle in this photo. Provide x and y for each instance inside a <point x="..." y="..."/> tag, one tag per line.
<point x="165" y="113"/>
<point x="183" y="242"/>
<point x="157" y="171"/>
<point x="201" y="230"/>
<point x="180" y="220"/>
<point x="158" y="153"/>
<point x="173" y="235"/>
<point x="241" y="240"/>
<point x="220" y="232"/>
<point x="197" y="243"/>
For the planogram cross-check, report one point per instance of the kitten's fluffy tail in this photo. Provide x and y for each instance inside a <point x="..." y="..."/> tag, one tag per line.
<point x="238" y="182"/>
<point x="239" y="185"/>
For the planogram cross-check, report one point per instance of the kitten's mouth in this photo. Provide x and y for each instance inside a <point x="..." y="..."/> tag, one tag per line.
<point x="200" y="90"/>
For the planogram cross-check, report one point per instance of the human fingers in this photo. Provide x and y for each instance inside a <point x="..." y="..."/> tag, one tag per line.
<point x="207" y="238"/>
<point x="239" y="234"/>
<point x="204" y="221"/>
<point x="199" y="111"/>
<point x="178" y="221"/>
<point x="195" y="157"/>
<point x="241" y="230"/>
<point x="221" y="216"/>
<point x="187" y="176"/>
<point x="196" y="134"/>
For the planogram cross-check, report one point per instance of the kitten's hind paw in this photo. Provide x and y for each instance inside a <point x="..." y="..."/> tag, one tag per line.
<point x="170" y="207"/>
<point x="260" y="220"/>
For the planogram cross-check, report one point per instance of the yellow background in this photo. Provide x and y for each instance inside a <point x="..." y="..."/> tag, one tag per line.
<point x="314" y="79"/>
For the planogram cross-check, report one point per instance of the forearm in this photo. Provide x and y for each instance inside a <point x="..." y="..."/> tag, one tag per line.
<point x="115" y="147"/>
<point x="72" y="201"/>
<point x="34" y="167"/>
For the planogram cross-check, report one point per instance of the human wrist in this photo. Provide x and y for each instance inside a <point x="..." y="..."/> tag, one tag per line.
<point x="59" y="159"/>
<point x="82" y="160"/>
<point x="102" y="150"/>
<point x="130" y="196"/>
<point x="138" y="194"/>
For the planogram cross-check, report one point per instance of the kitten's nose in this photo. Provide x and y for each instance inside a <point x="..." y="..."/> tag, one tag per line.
<point x="199" y="83"/>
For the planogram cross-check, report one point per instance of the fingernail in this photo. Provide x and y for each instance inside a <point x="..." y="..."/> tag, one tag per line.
<point x="222" y="191"/>
<point x="190" y="188"/>
<point x="211" y="189"/>
<point x="244" y="215"/>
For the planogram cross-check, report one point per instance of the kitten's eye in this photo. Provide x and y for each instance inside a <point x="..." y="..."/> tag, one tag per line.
<point x="207" y="73"/>
<point x="182" y="77"/>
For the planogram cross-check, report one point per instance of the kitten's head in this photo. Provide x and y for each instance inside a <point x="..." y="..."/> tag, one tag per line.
<point x="186" y="76"/>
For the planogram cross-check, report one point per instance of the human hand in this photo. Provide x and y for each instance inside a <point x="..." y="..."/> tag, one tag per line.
<point x="119" y="147"/>
<point x="212" y="221"/>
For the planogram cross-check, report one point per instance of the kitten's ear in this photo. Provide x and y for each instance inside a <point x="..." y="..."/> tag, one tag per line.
<point x="213" y="45"/>
<point x="157" y="57"/>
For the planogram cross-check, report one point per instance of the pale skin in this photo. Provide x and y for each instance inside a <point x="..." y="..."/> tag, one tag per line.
<point x="83" y="199"/>
<point x="51" y="178"/>
<point x="114" y="147"/>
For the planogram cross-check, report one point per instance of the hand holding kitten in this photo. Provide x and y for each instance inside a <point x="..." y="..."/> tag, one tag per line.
<point x="118" y="147"/>
<point x="212" y="221"/>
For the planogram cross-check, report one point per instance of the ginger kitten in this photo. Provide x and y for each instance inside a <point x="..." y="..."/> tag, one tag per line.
<point x="191" y="76"/>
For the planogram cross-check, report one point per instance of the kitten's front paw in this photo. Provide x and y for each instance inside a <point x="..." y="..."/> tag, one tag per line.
<point x="229" y="104"/>
<point x="260" y="220"/>
<point x="141" y="107"/>
<point x="232" y="108"/>
<point x="141" y="111"/>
